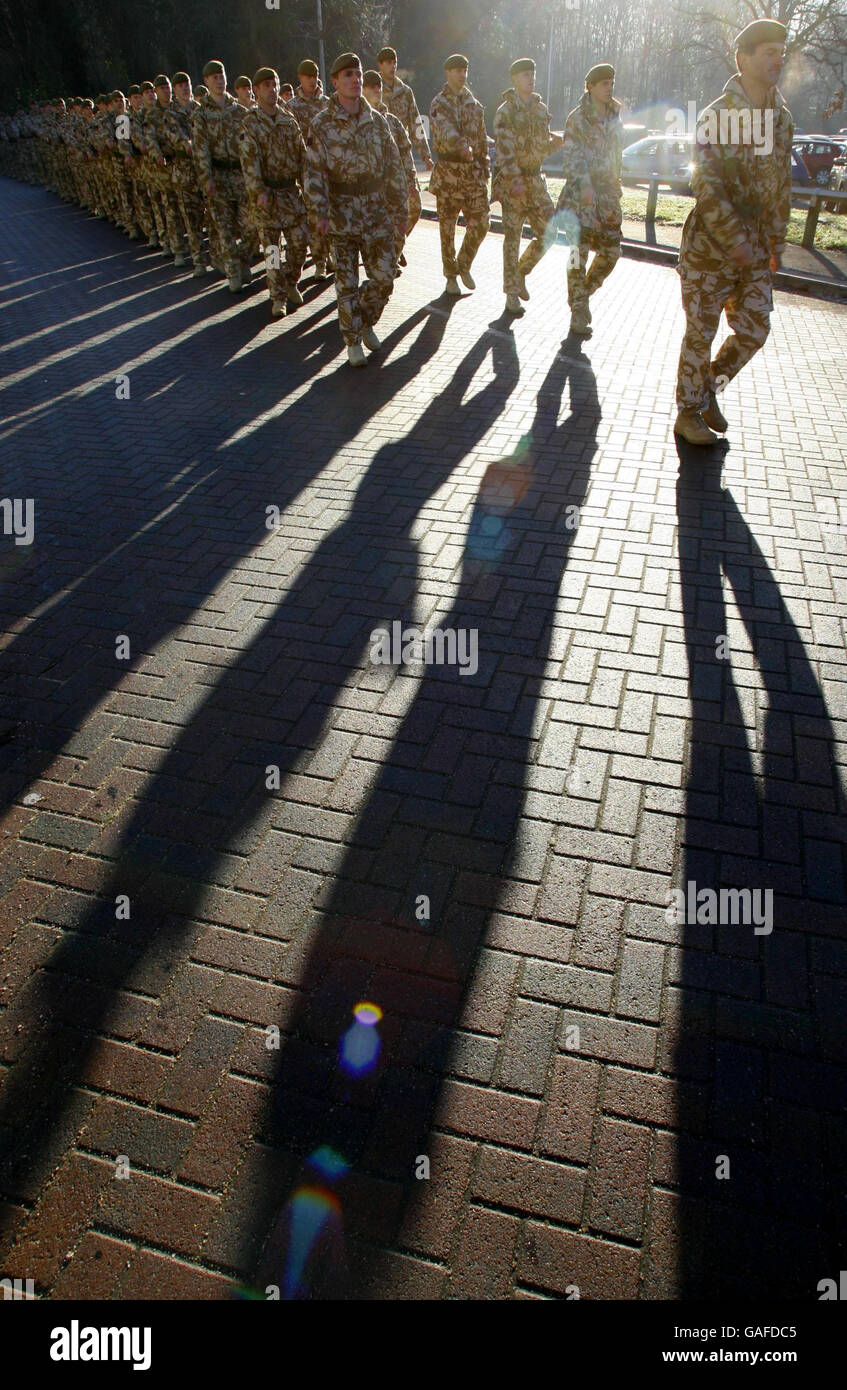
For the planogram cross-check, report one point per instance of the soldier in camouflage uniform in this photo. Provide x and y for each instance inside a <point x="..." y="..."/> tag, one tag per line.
<point x="522" y="141"/>
<point x="400" y="101"/>
<point x="243" y="88"/>
<point x="357" y="188"/>
<point x="159" y="148"/>
<point x="176" y="131"/>
<point x="272" y="159"/>
<point x="372" y="92"/>
<point x="150" y="170"/>
<point x="734" y="237"/>
<point x="286" y="92"/>
<point x="215" y="130"/>
<point x="304" y="106"/>
<point x="591" y="196"/>
<point x="119" y="174"/>
<point x="132" y="146"/>
<point x="460" y="178"/>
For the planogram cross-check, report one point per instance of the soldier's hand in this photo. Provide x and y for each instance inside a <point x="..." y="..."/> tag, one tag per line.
<point x="263" y="200"/>
<point x="467" y="153"/>
<point x="742" y="254"/>
<point x="323" y="226"/>
<point x="429" y="162"/>
<point x="776" y="263"/>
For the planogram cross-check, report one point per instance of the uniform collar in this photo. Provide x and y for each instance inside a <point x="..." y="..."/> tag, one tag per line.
<point x="734" y="86"/>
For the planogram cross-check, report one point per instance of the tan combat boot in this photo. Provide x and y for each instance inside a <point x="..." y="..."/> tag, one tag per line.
<point x="467" y="279"/>
<point x="580" y="325"/>
<point x="691" y="427"/>
<point x="277" y="309"/>
<point x="714" y="416"/>
<point x="369" y="338"/>
<point x="355" y="355"/>
<point x="320" y="270"/>
<point x="452" y="285"/>
<point x="514" y="306"/>
<point x="523" y="292"/>
<point x="294" y="296"/>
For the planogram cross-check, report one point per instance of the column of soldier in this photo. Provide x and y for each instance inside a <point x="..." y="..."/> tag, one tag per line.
<point x="286" y="171"/>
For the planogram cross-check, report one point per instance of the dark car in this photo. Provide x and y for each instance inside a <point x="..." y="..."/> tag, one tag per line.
<point x="819" y="153"/>
<point x="838" y="181"/>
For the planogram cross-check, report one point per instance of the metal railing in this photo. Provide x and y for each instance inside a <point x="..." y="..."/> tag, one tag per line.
<point x="809" y="196"/>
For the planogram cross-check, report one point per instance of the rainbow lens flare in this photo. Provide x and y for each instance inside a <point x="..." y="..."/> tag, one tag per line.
<point x="361" y="1045"/>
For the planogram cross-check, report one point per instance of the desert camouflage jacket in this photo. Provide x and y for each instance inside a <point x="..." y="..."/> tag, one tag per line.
<point x="522" y="139"/>
<point x="400" y="101"/>
<point x="272" y="150"/>
<point x="591" y="157"/>
<point x="402" y="141"/>
<point x="353" y="149"/>
<point x="177" y="125"/>
<point x="742" y="195"/>
<point x="304" y="109"/>
<point x="215" y="132"/>
<point x="454" y="119"/>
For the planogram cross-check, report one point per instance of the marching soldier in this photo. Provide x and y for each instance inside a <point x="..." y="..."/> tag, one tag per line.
<point x="357" y="188"/>
<point x="286" y="92"/>
<point x="460" y="178"/>
<point x="272" y="159"/>
<point x="304" y="106"/>
<point x="133" y="149"/>
<point x="400" y="101"/>
<point x="150" y="168"/>
<point x="215" y="130"/>
<point x="158" y="145"/>
<point x="734" y="237"/>
<point x="591" y="161"/>
<point x="522" y="142"/>
<point x="176" y="126"/>
<point x="243" y="88"/>
<point x="372" y="92"/>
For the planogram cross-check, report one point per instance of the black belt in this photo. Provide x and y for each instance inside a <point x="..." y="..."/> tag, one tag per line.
<point x="226" y="163"/>
<point x="354" y="189"/>
<point x="280" y="184"/>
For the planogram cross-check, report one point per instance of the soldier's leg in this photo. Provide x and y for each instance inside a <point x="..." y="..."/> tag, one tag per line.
<point x="448" y="216"/>
<point x="173" y="216"/>
<point x="476" y="209"/>
<point x="607" y="253"/>
<point x="748" y="311"/>
<point x="539" y="210"/>
<point x="513" y="213"/>
<point x="347" y="289"/>
<point x="577" y="258"/>
<point x="225" y="216"/>
<point x="270" y="238"/>
<point x="378" y="258"/>
<point x="191" y="211"/>
<point x="703" y="297"/>
<point x="296" y="229"/>
<point x="317" y="241"/>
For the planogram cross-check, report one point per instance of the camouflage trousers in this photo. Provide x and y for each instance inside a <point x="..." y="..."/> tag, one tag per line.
<point x="473" y="202"/>
<point x="318" y="243"/>
<point x="415" y="206"/>
<point x="536" y="209"/>
<point x="284" y="220"/>
<point x="228" y="211"/>
<point x="372" y="235"/>
<point x="746" y="294"/>
<point x="190" y="204"/>
<point x="170" y="206"/>
<point x="584" y="280"/>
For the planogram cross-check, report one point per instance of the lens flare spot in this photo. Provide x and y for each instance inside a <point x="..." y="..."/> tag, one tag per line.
<point x="366" y="1013"/>
<point x="311" y="1208"/>
<point x="361" y="1045"/>
<point x="328" y="1163"/>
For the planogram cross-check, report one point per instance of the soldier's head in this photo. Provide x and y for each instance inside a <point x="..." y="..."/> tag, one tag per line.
<point x="386" y="60"/>
<point x="164" y="91"/>
<point x="286" y="92"/>
<point x="346" y="74"/>
<point x="201" y="92"/>
<point x="522" y="73"/>
<point x="87" y="109"/>
<point x="136" y="100"/>
<point x="243" y="89"/>
<point x="148" y="95"/>
<point x="456" y="70"/>
<point x="600" y="82"/>
<point x="372" y="87"/>
<point x="760" y="51"/>
<point x="266" y="87"/>
<point x="101" y="101"/>
<point x="214" y="75"/>
<point x="182" y="87"/>
<point x="118" y="102"/>
<point x="307" y="74"/>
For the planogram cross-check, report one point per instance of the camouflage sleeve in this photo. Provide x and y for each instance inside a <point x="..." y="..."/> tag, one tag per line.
<point x="779" y="213"/>
<point x="395" y="187"/>
<point x="714" y="207"/>
<point x="316" y="176"/>
<point x="251" y="161"/>
<point x="401" y="139"/>
<point x="444" y="134"/>
<point x="504" y="145"/>
<point x="480" y="142"/>
<point x="200" y="147"/>
<point x="417" y="134"/>
<point x="173" y="132"/>
<point x="574" y="153"/>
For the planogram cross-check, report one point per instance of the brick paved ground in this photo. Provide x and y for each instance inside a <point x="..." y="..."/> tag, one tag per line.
<point x="572" y="1065"/>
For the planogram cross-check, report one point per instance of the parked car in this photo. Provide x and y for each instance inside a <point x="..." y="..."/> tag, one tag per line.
<point x="819" y="153"/>
<point x="838" y="181"/>
<point x="667" y="157"/>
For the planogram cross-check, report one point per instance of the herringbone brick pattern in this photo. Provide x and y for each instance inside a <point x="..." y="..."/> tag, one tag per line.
<point x="607" y="1100"/>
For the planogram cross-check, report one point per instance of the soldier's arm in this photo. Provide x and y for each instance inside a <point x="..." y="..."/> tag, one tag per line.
<point x="779" y="214"/>
<point x="714" y="207"/>
<point x="481" y="142"/>
<point x="444" y="133"/>
<point x="200" y="147"/>
<point x="395" y="188"/>
<point x="251" y="161"/>
<point x="504" y="146"/>
<point x="417" y="134"/>
<point x="575" y="155"/>
<point x="153" y="145"/>
<point x="316" y="178"/>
